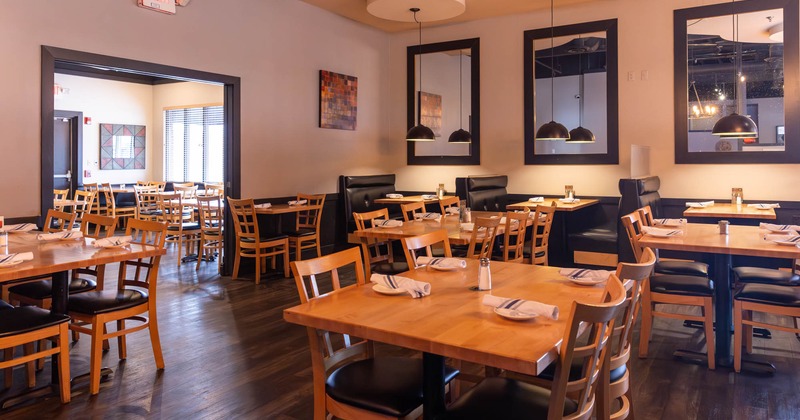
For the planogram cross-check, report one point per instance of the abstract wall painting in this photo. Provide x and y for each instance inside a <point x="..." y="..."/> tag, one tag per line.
<point x="338" y="100"/>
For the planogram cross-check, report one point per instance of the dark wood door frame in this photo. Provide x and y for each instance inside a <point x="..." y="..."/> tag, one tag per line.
<point x="53" y="57"/>
<point x="76" y="128"/>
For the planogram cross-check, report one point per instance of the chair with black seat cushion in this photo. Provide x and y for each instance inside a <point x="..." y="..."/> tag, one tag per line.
<point x="540" y="234"/>
<point x="210" y="214"/>
<point x="348" y="381"/>
<point x="568" y="398"/>
<point x="688" y="268"/>
<point x="251" y="244"/>
<point x="446" y="203"/>
<point x="481" y="242"/>
<point x="484" y="193"/>
<point x="180" y="229"/>
<point x="358" y="195"/>
<point x="378" y="254"/>
<point x="58" y="221"/>
<point x="146" y="197"/>
<point x="306" y="233"/>
<point x="135" y="296"/>
<point x="424" y="245"/>
<point x="27" y="325"/>
<point x="674" y="289"/>
<point x="516" y="226"/>
<point x="411" y="209"/>
<point x="777" y="300"/>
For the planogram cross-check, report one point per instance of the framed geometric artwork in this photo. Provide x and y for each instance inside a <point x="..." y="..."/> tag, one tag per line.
<point x="122" y="146"/>
<point x="338" y="100"/>
<point x="430" y="112"/>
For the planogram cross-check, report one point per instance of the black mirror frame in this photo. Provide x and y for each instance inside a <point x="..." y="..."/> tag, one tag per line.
<point x="474" y="157"/>
<point x="611" y="156"/>
<point x="791" y="71"/>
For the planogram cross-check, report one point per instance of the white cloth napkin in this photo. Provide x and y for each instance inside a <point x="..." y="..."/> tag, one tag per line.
<point x="699" y="203"/>
<point x="297" y="202"/>
<point x="14" y="259"/>
<point x="393" y="195"/>
<point x="442" y="262"/>
<point x="584" y="273"/>
<point x="529" y="307"/>
<point x="263" y="205"/>
<point x="536" y="199"/>
<point x="654" y="231"/>
<point x="764" y="206"/>
<point x="416" y="289"/>
<point x="70" y="234"/>
<point x="775" y="228"/>
<point x="783" y="238"/>
<point x="427" y="216"/>
<point x="569" y="200"/>
<point x="467" y="227"/>
<point x="22" y="227"/>
<point x="111" y="242"/>
<point x="429" y="196"/>
<point x="452" y="210"/>
<point x="387" y="223"/>
<point x="669" y="222"/>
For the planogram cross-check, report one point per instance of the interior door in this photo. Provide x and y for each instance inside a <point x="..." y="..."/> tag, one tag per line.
<point x="62" y="154"/>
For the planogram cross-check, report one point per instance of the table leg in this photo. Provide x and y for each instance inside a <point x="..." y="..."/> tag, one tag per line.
<point x="432" y="386"/>
<point x="59" y="306"/>
<point x="723" y="308"/>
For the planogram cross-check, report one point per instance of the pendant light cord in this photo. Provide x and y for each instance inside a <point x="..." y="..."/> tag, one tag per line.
<point x="552" y="66"/>
<point x="735" y="37"/>
<point x="460" y="90"/>
<point x="419" y="95"/>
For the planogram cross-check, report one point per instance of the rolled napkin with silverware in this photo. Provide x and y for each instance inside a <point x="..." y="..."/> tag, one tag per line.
<point x="429" y="196"/>
<point x="416" y="289"/>
<point x="70" y="234"/>
<point x="112" y="242"/>
<point x="584" y="273"/>
<point x="297" y="202"/>
<point x="263" y="205"/>
<point x="22" y="227"/>
<point x="387" y="223"/>
<point x="699" y="204"/>
<point x="779" y="228"/>
<point x="536" y="199"/>
<point x="764" y="206"/>
<point x="427" y="216"/>
<point x="654" y="231"/>
<point x="394" y="195"/>
<point x="569" y="200"/>
<point x="452" y="210"/>
<point x="783" y="239"/>
<point x="446" y="262"/>
<point x="14" y="259"/>
<point x="669" y="222"/>
<point x="528" y="307"/>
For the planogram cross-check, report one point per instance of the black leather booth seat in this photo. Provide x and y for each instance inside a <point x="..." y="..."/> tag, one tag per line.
<point x="484" y="193"/>
<point x="358" y="194"/>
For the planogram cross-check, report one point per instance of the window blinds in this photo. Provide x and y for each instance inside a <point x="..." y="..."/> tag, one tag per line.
<point x="194" y="144"/>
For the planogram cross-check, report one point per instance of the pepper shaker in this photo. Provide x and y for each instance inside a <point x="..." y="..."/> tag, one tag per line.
<point x="484" y="275"/>
<point x="723" y="227"/>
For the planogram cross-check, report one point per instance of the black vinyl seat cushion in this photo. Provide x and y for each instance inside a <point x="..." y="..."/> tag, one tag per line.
<point x="769" y="294"/>
<point x="106" y="301"/>
<point x="386" y="385"/>
<point x="576" y="371"/>
<point x="302" y="232"/>
<point x="507" y="399"/>
<point x="682" y="285"/>
<point x="765" y="275"/>
<point x="266" y="238"/>
<point x="43" y="289"/>
<point x="685" y="268"/>
<point x="5" y="305"/>
<point x="27" y="318"/>
<point x="602" y="239"/>
<point x="186" y="226"/>
<point x="393" y="268"/>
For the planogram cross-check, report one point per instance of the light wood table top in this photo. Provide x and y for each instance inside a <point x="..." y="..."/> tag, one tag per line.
<point x="406" y="200"/>
<point x="741" y="240"/>
<point x="68" y="203"/>
<point x="283" y="209"/>
<point x="560" y="205"/>
<point x="733" y="211"/>
<point x="452" y="321"/>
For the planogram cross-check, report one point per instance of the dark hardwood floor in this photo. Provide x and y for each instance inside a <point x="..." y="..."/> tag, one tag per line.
<point x="229" y="354"/>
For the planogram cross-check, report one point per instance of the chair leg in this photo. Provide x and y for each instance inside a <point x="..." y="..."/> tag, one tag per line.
<point x="8" y="372"/>
<point x="96" y="356"/>
<point x="298" y="250"/>
<point x="286" y="259"/>
<point x="63" y="363"/>
<point x="30" y="367"/>
<point x="319" y="249"/>
<point x="122" y="347"/>
<point x="738" y="331"/>
<point x="155" y="340"/>
<point x="647" y="325"/>
<point x="747" y="332"/>
<point x="201" y="252"/>
<point x="258" y="269"/>
<point x="708" y="319"/>
<point x="40" y="362"/>
<point x="236" y="262"/>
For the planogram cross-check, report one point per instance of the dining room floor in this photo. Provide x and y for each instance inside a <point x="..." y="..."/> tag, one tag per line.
<point x="229" y="354"/>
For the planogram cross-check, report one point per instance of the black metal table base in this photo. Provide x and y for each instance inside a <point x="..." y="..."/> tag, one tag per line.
<point x="748" y="366"/>
<point x="758" y="332"/>
<point x="46" y="391"/>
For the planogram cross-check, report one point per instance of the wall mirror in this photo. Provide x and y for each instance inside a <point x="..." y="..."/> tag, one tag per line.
<point x="584" y="91"/>
<point x="737" y="57"/>
<point x="447" y="101"/>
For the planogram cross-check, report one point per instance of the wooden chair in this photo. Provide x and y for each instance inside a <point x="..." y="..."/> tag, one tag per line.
<point x="505" y="398"/>
<point x="671" y="289"/>
<point x="211" y="215"/>
<point x="446" y="202"/>
<point x="540" y="233"/>
<point x="412" y="245"/>
<point x="514" y="236"/>
<point x="134" y="297"/>
<point x="179" y="230"/>
<point x="250" y="243"/>
<point x="213" y="188"/>
<point x="186" y="191"/>
<point x="481" y="242"/>
<point x="161" y="185"/>
<point x="688" y="268"/>
<point x="25" y="326"/>
<point x="58" y="221"/>
<point x="146" y="202"/>
<point x="104" y="203"/>
<point x="306" y="233"/>
<point x="60" y="195"/>
<point x="348" y="381"/>
<point x="378" y="254"/>
<point x="410" y="209"/>
<point x="80" y="210"/>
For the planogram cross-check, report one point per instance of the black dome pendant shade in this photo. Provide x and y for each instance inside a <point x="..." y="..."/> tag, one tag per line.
<point x="460" y="136"/>
<point x="552" y="131"/>
<point x="419" y="132"/>
<point x="580" y="135"/>
<point x="735" y="125"/>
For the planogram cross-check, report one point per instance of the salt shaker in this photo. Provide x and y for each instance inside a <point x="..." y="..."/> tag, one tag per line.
<point x="467" y="215"/>
<point x="440" y="191"/>
<point x="484" y="275"/>
<point x="723" y="227"/>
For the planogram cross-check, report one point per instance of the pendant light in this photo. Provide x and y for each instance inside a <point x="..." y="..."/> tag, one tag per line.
<point x="735" y="125"/>
<point x="460" y="135"/>
<point x="552" y="130"/>
<point x="580" y="134"/>
<point x="419" y="132"/>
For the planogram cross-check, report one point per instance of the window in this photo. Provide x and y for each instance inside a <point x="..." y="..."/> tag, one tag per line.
<point x="194" y="144"/>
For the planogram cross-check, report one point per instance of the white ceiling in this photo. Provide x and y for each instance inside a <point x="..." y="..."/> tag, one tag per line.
<point x="476" y="9"/>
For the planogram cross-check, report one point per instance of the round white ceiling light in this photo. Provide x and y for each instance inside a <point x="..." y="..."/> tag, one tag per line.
<point x="431" y="10"/>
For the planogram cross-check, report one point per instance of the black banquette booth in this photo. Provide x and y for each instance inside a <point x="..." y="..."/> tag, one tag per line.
<point x="483" y="193"/>
<point x="358" y="194"/>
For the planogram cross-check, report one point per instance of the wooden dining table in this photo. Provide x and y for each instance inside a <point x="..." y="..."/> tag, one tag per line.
<point x="560" y="205"/>
<point x="452" y="321"/>
<point x="406" y="200"/>
<point x="706" y="239"/>
<point x="58" y="258"/>
<point x="730" y="211"/>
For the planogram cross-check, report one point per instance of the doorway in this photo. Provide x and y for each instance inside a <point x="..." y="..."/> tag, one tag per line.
<point x="67" y="150"/>
<point x="115" y="68"/>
